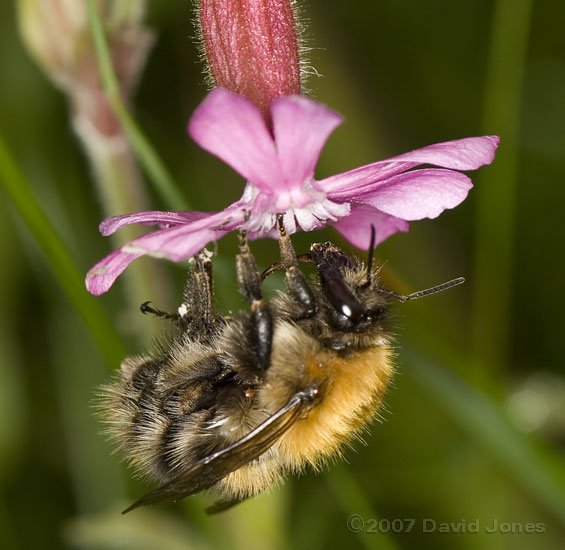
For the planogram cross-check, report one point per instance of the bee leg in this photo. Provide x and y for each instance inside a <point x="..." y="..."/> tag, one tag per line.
<point x="223" y="505"/>
<point x="197" y="308"/>
<point x="145" y="308"/>
<point x="295" y="280"/>
<point x="261" y="322"/>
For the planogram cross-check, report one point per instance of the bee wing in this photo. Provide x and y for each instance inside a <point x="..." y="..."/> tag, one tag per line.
<point x="211" y="469"/>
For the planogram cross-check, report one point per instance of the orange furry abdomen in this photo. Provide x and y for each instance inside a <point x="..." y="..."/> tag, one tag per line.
<point x="351" y="387"/>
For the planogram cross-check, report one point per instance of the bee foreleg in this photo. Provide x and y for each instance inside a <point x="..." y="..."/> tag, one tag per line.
<point x="295" y="280"/>
<point x="261" y="322"/>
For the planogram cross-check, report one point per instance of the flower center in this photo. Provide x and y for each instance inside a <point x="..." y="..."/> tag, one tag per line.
<point x="305" y="208"/>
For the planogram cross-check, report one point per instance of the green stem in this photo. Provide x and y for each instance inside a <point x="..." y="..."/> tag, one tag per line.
<point x="146" y="154"/>
<point x="121" y="187"/>
<point x="496" y="190"/>
<point x="58" y="257"/>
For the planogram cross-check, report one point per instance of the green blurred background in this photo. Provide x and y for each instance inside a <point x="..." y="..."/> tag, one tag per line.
<point x="474" y="427"/>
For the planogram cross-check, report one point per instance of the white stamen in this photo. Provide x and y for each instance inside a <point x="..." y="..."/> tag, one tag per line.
<point x="306" y="218"/>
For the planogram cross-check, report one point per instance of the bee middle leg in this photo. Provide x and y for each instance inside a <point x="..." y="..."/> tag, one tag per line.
<point x="295" y="280"/>
<point x="261" y="321"/>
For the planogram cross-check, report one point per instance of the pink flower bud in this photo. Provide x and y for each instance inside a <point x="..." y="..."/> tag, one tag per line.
<point x="252" y="48"/>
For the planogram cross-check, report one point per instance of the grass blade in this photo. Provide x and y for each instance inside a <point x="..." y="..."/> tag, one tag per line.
<point x="496" y="191"/>
<point x="353" y="501"/>
<point x="65" y="269"/>
<point x="535" y="467"/>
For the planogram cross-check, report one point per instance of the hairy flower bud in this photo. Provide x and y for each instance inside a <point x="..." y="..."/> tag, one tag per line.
<point x="252" y="48"/>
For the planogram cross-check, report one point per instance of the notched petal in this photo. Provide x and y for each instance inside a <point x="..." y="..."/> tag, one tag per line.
<point x="301" y="127"/>
<point x="232" y="128"/>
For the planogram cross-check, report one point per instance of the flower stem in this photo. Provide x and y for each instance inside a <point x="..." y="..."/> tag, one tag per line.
<point x="121" y="188"/>
<point x="159" y="175"/>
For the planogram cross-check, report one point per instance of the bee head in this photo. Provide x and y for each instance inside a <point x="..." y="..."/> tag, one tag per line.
<point x="347" y="287"/>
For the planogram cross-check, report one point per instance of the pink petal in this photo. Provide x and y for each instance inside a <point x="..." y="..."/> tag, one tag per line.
<point x="302" y="127"/>
<point x="171" y="243"/>
<point x="232" y="128"/>
<point x="356" y="227"/>
<point x="419" y="194"/>
<point x="162" y="219"/>
<point x="461" y="154"/>
<point x="183" y="241"/>
<point x="176" y="243"/>
<point x="102" y="276"/>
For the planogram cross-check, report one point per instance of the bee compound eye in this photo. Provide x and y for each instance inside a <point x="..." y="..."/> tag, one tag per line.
<point x="343" y="300"/>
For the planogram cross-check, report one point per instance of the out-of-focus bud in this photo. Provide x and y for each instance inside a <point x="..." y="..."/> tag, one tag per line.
<point x="57" y="35"/>
<point x="252" y="47"/>
<point x="50" y="29"/>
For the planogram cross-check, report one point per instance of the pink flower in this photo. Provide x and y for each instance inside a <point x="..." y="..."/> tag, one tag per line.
<point x="279" y="170"/>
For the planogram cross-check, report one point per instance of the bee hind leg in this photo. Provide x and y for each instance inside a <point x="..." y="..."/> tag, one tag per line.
<point x="145" y="308"/>
<point x="223" y="505"/>
<point x="261" y="321"/>
<point x="197" y="308"/>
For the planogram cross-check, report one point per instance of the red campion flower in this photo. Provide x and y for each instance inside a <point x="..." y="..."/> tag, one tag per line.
<point x="279" y="170"/>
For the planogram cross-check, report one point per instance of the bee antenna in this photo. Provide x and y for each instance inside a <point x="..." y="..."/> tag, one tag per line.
<point x="371" y="257"/>
<point x="422" y="293"/>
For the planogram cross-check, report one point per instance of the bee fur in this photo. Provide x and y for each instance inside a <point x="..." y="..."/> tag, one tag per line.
<point x="233" y="404"/>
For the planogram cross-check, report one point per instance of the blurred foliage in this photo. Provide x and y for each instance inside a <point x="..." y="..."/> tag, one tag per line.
<point x="470" y="431"/>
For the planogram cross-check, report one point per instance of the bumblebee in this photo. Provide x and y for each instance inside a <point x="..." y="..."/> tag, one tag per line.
<point x="234" y="403"/>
